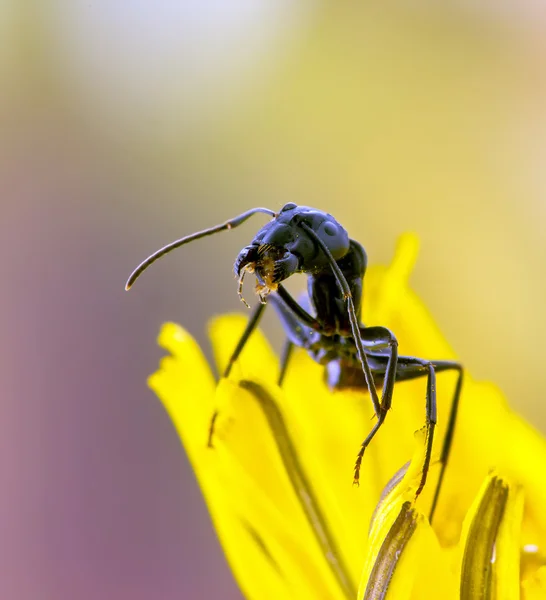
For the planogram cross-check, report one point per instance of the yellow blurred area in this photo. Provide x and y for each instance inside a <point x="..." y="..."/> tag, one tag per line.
<point x="126" y="125"/>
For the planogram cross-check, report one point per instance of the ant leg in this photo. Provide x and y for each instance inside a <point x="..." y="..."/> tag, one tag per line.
<point x="365" y="444"/>
<point x="440" y="366"/>
<point x="431" y="412"/>
<point x="298" y="336"/>
<point x="250" y="327"/>
<point x="285" y="299"/>
<point x="286" y="354"/>
<point x="300" y="332"/>
<point x="353" y="318"/>
<point x="380" y="342"/>
<point x="411" y="368"/>
<point x="211" y="429"/>
<point x="375" y="339"/>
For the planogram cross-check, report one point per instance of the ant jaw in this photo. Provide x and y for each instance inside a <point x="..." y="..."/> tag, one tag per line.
<point x="263" y="261"/>
<point x="248" y="259"/>
<point x="264" y="287"/>
<point x="271" y="264"/>
<point x="265" y="283"/>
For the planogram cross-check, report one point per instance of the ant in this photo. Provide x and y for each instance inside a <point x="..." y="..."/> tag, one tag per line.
<point x="300" y="239"/>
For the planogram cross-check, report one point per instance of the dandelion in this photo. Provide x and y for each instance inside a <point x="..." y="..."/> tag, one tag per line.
<point x="276" y="470"/>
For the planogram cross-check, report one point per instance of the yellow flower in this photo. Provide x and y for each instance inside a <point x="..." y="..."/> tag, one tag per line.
<point x="277" y="471"/>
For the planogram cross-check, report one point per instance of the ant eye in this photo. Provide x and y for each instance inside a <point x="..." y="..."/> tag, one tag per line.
<point x="330" y="229"/>
<point x="289" y="206"/>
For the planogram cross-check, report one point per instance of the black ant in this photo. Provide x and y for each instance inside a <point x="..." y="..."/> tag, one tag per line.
<point x="300" y="239"/>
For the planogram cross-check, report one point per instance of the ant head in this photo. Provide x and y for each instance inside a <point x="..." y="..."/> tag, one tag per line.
<point x="284" y="246"/>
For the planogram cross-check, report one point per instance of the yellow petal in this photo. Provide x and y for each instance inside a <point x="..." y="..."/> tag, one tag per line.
<point x="389" y="301"/>
<point x="273" y="491"/>
<point x="488" y="435"/>
<point x="534" y="588"/>
<point x="265" y="509"/>
<point x="404" y="559"/>
<point x="381" y="582"/>
<point x="327" y="430"/>
<point x="185" y="385"/>
<point x="490" y="543"/>
<point x="278" y="477"/>
<point x="408" y="563"/>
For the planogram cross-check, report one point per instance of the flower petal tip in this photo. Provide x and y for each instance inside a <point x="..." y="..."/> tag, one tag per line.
<point x="171" y="336"/>
<point x="405" y="256"/>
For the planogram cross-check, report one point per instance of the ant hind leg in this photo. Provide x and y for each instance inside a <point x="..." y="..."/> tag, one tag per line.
<point x="411" y="368"/>
<point x="452" y="420"/>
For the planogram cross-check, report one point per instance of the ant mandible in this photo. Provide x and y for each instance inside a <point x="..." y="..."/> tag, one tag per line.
<point x="300" y="239"/>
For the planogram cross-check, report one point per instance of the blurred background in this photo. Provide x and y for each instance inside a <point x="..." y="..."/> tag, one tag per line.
<point x="125" y="125"/>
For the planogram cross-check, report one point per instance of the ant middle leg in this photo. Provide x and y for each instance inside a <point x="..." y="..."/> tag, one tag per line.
<point x="405" y="367"/>
<point x="377" y="340"/>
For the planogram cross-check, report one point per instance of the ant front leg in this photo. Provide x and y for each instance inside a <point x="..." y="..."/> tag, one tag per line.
<point x="253" y="322"/>
<point x="286" y="355"/>
<point x="299" y="325"/>
<point x="298" y="333"/>
<point x="376" y="339"/>
<point x="294" y="316"/>
<point x="249" y="329"/>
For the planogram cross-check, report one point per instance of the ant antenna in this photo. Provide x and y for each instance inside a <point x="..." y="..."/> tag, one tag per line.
<point x="231" y="224"/>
